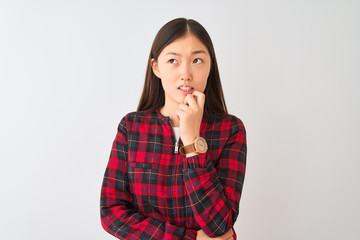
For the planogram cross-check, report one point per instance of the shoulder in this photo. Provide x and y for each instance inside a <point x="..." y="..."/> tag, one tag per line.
<point x="229" y="123"/>
<point x="136" y="117"/>
<point x="229" y="119"/>
<point x="236" y="121"/>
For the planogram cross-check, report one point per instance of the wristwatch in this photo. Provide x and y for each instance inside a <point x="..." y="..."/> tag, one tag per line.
<point x="199" y="145"/>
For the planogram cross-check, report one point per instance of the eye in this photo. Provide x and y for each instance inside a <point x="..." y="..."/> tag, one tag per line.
<point x="198" y="60"/>
<point x="172" y="60"/>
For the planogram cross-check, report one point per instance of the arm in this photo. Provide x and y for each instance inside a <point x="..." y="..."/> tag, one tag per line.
<point x="215" y="192"/>
<point x="117" y="215"/>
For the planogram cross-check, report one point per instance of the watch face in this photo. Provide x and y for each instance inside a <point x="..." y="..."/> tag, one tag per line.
<point x="201" y="145"/>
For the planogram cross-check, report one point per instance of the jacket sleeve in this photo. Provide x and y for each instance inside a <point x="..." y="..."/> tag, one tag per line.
<point x="215" y="191"/>
<point x="117" y="215"/>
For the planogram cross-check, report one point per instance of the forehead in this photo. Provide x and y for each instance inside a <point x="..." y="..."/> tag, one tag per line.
<point x="185" y="45"/>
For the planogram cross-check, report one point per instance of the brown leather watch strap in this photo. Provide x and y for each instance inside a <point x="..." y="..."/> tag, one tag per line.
<point x="187" y="149"/>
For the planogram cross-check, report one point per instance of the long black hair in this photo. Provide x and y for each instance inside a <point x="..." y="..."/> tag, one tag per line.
<point x="153" y="95"/>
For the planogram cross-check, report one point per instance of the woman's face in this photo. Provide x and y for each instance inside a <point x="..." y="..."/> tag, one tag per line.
<point x="184" y="62"/>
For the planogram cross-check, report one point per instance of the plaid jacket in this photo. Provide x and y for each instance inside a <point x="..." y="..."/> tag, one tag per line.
<point x="150" y="191"/>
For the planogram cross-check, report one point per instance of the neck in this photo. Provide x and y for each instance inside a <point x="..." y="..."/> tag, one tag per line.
<point x="175" y="122"/>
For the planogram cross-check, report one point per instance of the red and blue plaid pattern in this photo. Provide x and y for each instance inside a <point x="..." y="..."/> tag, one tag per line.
<point x="151" y="192"/>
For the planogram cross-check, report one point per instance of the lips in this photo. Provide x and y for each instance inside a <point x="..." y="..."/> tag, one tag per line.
<point x="186" y="92"/>
<point x="185" y="88"/>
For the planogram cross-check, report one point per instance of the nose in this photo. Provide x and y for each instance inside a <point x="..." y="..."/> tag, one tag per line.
<point x="186" y="72"/>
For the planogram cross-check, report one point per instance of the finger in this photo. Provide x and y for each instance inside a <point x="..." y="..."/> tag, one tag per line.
<point x="200" y="97"/>
<point x="226" y="238"/>
<point x="184" y="107"/>
<point x="228" y="234"/>
<point x="179" y="113"/>
<point x="191" y="101"/>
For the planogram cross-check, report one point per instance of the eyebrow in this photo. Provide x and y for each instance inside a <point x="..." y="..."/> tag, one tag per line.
<point x="193" y="53"/>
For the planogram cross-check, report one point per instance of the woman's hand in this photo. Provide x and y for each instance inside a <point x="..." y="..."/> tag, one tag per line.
<point x="190" y="114"/>
<point x="227" y="236"/>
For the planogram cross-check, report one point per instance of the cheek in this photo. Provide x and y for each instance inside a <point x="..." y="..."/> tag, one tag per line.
<point x="203" y="86"/>
<point x="168" y="84"/>
<point x="203" y="77"/>
<point x="169" y="78"/>
<point x="164" y="84"/>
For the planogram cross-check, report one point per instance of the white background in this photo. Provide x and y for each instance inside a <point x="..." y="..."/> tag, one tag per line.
<point x="70" y="70"/>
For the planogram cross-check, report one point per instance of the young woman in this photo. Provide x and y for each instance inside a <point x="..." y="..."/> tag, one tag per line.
<point x="177" y="164"/>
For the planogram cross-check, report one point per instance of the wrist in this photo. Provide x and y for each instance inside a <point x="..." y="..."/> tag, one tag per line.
<point x="198" y="145"/>
<point x="191" y="154"/>
<point x="189" y="140"/>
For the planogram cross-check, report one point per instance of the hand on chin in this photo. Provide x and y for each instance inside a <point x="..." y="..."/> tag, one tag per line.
<point x="190" y="114"/>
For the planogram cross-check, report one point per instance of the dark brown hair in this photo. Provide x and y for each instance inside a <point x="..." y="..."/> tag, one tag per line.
<point x="153" y="95"/>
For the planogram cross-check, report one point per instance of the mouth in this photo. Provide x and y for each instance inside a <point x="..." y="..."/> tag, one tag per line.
<point x="186" y="90"/>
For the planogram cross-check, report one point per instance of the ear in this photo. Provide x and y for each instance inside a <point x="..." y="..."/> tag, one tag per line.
<point x="155" y="68"/>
